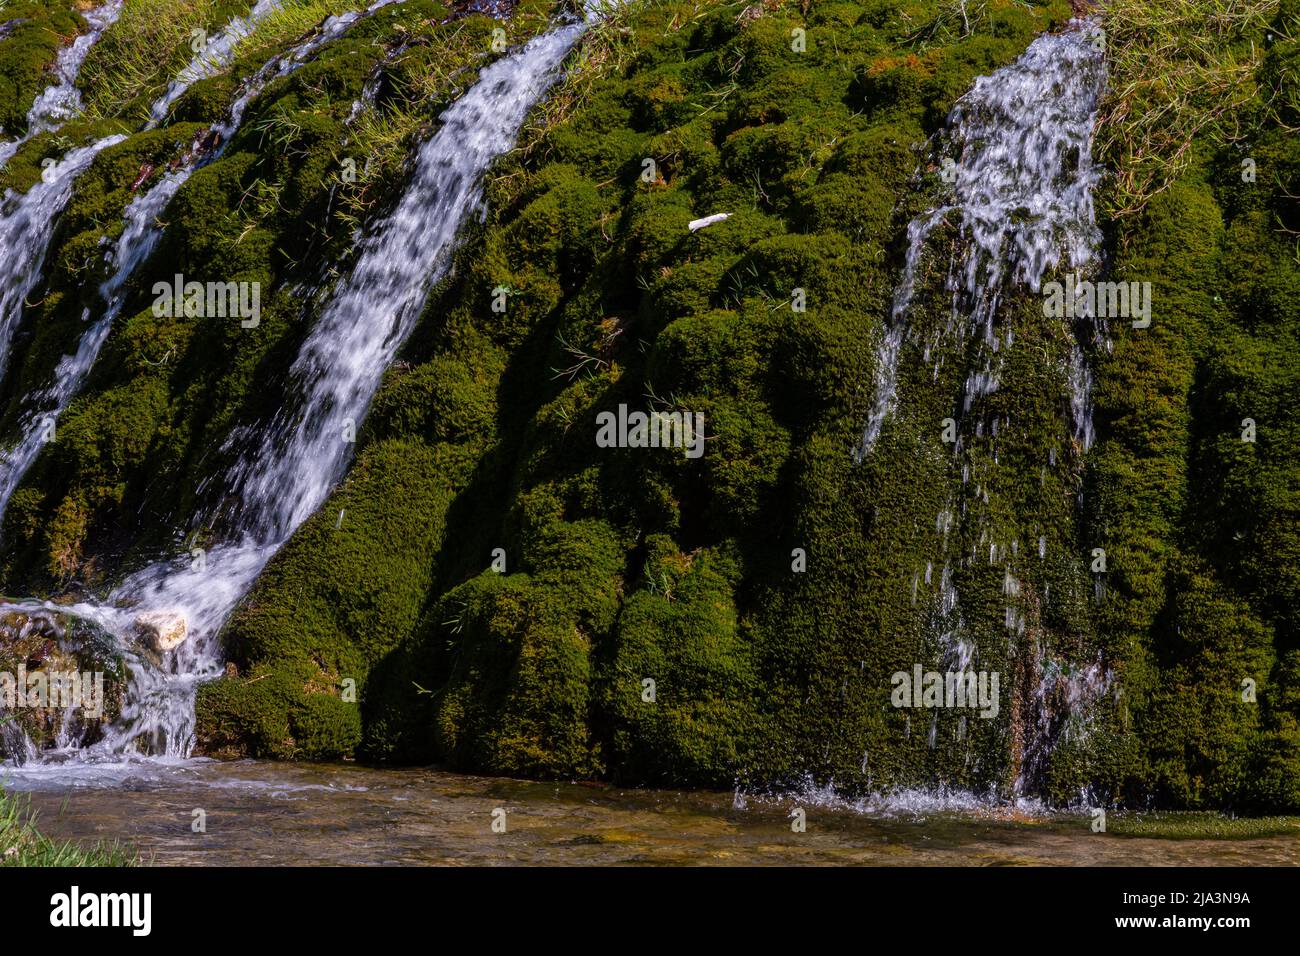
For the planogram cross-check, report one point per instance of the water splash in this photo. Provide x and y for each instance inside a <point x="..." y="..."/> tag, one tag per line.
<point x="1060" y="707"/>
<point x="899" y="802"/>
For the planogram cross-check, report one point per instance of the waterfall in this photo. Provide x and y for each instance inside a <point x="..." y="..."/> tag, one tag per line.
<point x="139" y="237"/>
<point x="300" y="453"/>
<point x="216" y="55"/>
<point x="27" y="223"/>
<point x="61" y="101"/>
<point x="135" y="244"/>
<point x="1016" y="189"/>
<point x="1021" y="194"/>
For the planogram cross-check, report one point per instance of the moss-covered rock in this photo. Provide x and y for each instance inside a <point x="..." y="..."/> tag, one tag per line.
<point x="492" y="589"/>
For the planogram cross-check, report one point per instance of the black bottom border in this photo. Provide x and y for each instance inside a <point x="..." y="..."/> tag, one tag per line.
<point x="330" y="906"/>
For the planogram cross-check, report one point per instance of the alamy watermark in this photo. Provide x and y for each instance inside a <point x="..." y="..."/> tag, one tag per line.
<point x="61" y="690"/>
<point x="951" y="689"/>
<point x="626" y="429"/>
<point x="213" y="300"/>
<point x="133" y="911"/>
<point x="1081" y="298"/>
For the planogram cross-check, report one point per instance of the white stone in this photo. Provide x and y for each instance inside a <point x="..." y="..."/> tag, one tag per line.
<point x="162" y="630"/>
<point x="695" y="224"/>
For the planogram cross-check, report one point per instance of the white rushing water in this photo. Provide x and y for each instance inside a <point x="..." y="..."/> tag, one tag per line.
<point x="140" y="236"/>
<point x="1021" y="197"/>
<point x="1017" y="193"/>
<point x="216" y="55"/>
<point x="302" y="452"/>
<point x="28" y="220"/>
<point x="61" y="100"/>
<point x="27" y="223"/>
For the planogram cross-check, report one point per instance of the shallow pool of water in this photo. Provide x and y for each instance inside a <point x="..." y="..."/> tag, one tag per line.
<point x="261" y="813"/>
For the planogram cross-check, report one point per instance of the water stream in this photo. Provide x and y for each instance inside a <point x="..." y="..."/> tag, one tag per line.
<point x="28" y="220"/>
<point x="216" y="55"/>
<point x="27" y="224"/>
<point x="299" y="454"/>
<point x="268" y="814"/>
<point x="61" y="101"/>
<point x="1018" y="151"/>
<point x="1016" y="181"/>
<point x="140" y="236"/>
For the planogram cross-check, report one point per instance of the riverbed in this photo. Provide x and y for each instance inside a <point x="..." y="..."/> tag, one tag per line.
<point x="212" y="813"/>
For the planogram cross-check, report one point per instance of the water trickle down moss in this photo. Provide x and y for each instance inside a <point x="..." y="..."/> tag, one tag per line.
<point x="33" y="31"/>
<point x="623" y="565"/>
<point x="626" y="565"/>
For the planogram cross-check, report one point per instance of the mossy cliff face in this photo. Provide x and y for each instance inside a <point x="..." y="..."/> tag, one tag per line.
<point x="577" y="610"/>
<point x="505" y="595"/>
<point x="166" y="391"/>
<point x="1194" y="479"/>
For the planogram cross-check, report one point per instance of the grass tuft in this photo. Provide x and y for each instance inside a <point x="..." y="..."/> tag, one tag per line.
<point x="1180" y="70"/>
<point x="21" y="844"/>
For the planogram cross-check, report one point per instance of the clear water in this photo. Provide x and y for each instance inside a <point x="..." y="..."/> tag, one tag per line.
<point x="343" y="814"/>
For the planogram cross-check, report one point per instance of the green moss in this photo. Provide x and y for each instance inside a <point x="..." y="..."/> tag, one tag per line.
<point x="33" y="32"/>
<point x="679" y="631"/>
<point x="151" y="41"/>
<point x="613" y="301"/>
<point x="498" y="589"/>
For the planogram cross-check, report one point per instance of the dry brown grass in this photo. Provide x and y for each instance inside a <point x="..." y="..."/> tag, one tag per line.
<point x="1179" y="70"/>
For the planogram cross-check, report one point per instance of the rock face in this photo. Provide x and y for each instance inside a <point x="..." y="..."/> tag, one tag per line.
<point x="162" y="630"/>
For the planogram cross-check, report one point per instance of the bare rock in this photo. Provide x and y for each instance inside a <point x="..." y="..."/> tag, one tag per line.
<point x="162" y="630"/>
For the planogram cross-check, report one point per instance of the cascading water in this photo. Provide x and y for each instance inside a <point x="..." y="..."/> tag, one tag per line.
<point x="139" y="237"/>
<point x="1021" y="190"/>
<point x="1019" y="177"/>
<point x="215" y="56"/>
<point x="302" y="452"/>
<point x="27" y="223"/>
<point x="61" y="101"/>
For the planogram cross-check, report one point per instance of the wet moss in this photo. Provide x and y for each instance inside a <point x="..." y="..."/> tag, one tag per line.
<point x="33" y="32"/>
<point x="497" y="588"/>
<point x="528" y="671"/>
